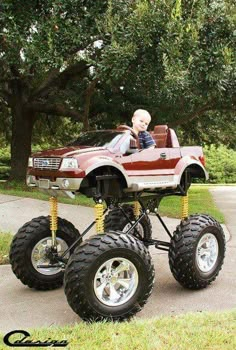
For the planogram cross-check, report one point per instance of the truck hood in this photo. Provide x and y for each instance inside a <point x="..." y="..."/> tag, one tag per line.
<point x="68" y="151"/>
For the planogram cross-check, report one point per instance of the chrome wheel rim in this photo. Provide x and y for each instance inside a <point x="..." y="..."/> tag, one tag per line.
<point x="138" y="227"/>
<point x="116" y="281"/>
<point x="207" y="252"/>
<point x="39" y="255"/>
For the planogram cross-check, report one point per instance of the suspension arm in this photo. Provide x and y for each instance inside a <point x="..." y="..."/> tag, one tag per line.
<point x="133" y="225"/>
<point x="81" y="236"/>
<point x="163" y="224"/>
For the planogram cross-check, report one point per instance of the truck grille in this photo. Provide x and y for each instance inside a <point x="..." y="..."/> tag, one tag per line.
<point x="47" y="163"/>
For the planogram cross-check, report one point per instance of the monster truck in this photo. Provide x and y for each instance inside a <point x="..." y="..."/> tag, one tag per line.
<point x="111" y="275"/>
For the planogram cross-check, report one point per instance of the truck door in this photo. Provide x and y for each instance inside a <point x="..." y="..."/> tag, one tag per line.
<point x="151" y="162"/>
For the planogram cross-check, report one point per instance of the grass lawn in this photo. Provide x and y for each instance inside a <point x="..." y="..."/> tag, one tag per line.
<point x="200" y="200"/>
<point x="5" y="241"/>
<point x="206" y="331"/>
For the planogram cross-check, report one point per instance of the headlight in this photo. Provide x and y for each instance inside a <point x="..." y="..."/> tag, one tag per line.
<point x="69" y="163"/>
<point x="30" y="162"/>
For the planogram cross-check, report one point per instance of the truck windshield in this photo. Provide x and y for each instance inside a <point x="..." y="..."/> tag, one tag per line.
<point x="98" y="139"/>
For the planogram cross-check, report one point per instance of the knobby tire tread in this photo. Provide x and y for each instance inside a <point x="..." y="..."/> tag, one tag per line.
<point x="79" y="265"/>
<point x="21" y="243"/>
<point x="182" y="250"/>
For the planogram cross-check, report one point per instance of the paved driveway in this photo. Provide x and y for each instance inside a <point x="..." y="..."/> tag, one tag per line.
<point x="23" y="308"/>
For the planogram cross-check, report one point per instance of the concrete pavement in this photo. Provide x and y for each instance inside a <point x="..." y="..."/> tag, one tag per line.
<point x="23" y="308"/>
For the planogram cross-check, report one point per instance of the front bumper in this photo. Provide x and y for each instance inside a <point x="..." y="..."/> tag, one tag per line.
<point x="59" y="187"/>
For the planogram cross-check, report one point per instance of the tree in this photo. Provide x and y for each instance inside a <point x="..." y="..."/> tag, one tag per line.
<point x="98" y="61"/>
<point x="176" y="59"/>
<point x="44" y="46"/>
<point x="184" y="62"/>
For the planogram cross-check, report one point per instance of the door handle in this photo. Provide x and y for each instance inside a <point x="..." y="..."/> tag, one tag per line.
<point x="163" y="155"/>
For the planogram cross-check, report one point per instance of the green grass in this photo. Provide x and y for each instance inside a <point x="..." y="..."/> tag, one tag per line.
<point x="20" y="189"/>
<point x="5" y="241"/>
<point x="208" y="331"/>
<point x="200" y="200"/>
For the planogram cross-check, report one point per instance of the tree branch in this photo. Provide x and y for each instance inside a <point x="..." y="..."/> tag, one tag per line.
<point x="55" y="78"/>
<point x="15" y="72"/>
<point x="54" y="109"/>
<point x="88" y="95"/>
<point x="207" y="107"/>
<point x="52" y="75"/>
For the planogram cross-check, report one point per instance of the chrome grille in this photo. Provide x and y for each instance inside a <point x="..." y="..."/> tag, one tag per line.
<point x="47" y="163"/>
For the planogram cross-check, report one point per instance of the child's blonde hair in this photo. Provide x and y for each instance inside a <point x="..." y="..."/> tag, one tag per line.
<point x="142" y="112"/>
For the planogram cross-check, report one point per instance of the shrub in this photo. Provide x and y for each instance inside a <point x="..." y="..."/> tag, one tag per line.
<point x="5" y="161"/>
<point x="4" y="153"/>
<point x="221" y="164"/>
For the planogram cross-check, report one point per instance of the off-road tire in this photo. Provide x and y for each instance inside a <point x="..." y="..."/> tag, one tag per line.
<point x="185" y="250"/>
<point x="116" y="221"/>
<point x="23" y="244"/>
<point x="88" y="258"/>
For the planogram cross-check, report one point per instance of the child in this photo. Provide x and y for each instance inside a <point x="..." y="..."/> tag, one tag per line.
<point x="141" y="119"/>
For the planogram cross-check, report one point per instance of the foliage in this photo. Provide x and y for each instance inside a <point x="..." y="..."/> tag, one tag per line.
<point x="50" y="132"/>
<point x="177" y="60"/>
<point x="213" y="128"/>
<point x="96" y="62"/>
<point x="221" y="164"/>
<point x="4" y="162"/>
<point x="4" y="153"/>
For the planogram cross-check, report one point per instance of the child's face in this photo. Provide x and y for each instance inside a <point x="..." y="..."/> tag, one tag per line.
<point x="140" y="123"/>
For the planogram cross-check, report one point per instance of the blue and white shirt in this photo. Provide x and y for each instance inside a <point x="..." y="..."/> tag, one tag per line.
<point x="145" y="139"/>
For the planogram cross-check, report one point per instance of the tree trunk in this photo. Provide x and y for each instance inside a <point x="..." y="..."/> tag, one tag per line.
<point x="88" y="95"/>
<point x="22" y="126"/>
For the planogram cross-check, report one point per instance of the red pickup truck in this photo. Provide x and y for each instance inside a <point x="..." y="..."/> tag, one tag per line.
<point x="114" y="157"/>
<point x="111" y="275"/>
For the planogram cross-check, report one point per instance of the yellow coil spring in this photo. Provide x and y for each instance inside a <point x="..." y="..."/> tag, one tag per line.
<point x="99" y="217"/>
<point x="184" y="213"/>
<point x="137" y="208"/>
<point x="53" y="213"/>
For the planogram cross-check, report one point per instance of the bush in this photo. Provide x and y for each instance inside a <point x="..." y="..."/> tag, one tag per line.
<point x="4" y="154"/>
<point x="54" y="132"/>
<point x="221" y="164"/>
<point x="5" y="161"/>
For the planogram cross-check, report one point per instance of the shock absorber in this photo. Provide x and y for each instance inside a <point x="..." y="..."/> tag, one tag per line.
<point x="137" y="208"/>
<point x="53" y="219"/>
<point x="99" y="216"/>
<point x="184" y="211"/>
